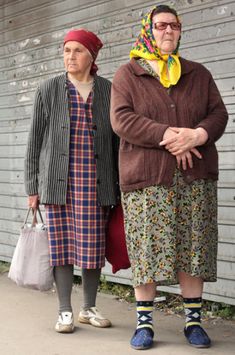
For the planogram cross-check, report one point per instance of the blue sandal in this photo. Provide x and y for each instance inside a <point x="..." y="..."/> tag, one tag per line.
<point x="142" y="339"/>
<point x="197" y="336"/>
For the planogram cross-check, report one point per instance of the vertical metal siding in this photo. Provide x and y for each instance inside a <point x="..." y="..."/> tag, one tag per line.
<point x="31" y="32"/>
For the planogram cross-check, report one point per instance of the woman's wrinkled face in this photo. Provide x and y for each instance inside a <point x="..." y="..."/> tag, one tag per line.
<point x="166" y="39"/>
<point x="77" y="58"/>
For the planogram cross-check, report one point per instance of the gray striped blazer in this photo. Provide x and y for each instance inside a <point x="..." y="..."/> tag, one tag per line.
<point x="47" y="153"/>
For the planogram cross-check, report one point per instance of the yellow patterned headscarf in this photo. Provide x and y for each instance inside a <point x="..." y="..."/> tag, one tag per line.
<point x="145" y="47"/>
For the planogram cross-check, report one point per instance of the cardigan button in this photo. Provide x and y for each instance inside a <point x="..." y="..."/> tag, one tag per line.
<point x="94" y="127"/>
<point x="98" y="181"/>
<point x="96" y="156"/>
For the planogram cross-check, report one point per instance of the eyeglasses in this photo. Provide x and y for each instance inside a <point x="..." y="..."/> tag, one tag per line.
<point x="175" y="26"/>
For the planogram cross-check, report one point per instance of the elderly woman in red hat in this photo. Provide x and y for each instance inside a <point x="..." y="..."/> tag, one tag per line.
<point x="71" y="168"/>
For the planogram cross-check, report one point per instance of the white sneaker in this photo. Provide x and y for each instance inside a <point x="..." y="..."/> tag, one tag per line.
<point x="94" y="317"/>
<point x="65" y="323"/>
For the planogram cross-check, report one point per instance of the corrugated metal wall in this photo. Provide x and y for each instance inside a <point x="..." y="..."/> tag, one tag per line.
<point x="31" y="32"/>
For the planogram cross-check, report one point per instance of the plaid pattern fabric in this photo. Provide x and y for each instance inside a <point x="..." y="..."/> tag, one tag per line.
<point x="77" y="229"/>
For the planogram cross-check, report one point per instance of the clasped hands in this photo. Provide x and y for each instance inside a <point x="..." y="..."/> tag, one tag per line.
<point x="182" y="142"/>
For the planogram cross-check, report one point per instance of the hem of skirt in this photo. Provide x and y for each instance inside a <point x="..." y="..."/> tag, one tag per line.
<point x="172" y="282"/>
<point x="80" y="266"/>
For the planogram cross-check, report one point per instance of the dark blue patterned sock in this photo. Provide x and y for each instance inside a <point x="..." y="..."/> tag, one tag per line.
<point x="144" y="314"/>
<point x="192" y="308"/>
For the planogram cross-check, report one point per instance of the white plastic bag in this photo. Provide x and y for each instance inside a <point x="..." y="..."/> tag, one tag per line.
<point x="30" y="265"/>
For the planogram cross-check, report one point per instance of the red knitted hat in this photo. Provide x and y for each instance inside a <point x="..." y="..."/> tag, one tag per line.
<point x="87" y="39"/>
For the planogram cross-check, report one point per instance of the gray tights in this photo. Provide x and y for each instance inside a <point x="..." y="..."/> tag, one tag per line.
<point x="64" y="282"/>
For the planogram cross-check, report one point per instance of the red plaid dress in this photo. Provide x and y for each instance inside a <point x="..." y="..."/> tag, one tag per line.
<point x="77" y="230"/>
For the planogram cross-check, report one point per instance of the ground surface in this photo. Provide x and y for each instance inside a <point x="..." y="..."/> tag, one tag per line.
<point x="28" y="317"/>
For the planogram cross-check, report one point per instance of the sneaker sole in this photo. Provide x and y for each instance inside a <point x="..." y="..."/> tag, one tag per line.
<point x="64" y="329"/>
<point x="94" y="324"/>
<point x="83" y="320"/>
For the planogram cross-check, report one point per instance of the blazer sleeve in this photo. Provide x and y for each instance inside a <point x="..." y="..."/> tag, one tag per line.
<point x="34" y="144"/>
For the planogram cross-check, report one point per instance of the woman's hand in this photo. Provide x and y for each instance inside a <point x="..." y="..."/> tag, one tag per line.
<point x="185" y="159"/>
<point x="169" y="135"/>
<point x="33" y="201"/>
<point x="181" y="140"/>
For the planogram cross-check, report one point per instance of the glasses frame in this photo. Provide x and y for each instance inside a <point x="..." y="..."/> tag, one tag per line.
<point x="175" y="26"/>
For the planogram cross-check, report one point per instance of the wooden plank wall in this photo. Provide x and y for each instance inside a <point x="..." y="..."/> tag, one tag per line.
<point x="31" y="32"/>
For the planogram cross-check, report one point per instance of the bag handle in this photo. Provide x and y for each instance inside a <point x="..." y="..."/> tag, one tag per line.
<point x="34" y="211"/>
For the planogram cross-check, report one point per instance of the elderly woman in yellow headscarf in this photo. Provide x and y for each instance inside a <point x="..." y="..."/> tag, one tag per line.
<point x="168" y="113"/>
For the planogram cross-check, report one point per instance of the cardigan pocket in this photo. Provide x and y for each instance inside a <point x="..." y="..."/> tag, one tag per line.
<point x="132" y="166"/>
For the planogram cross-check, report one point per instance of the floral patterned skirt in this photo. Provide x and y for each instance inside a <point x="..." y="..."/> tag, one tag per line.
<point x="172" y="229"/>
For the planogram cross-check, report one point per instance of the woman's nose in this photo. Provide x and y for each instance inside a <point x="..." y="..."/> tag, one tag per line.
<point x="169" y="29"/>
<point x="71" y="54"/>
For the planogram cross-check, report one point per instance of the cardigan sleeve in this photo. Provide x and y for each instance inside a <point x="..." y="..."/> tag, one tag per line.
<point x="132" y="126"/>
<point x="216" y="119"/>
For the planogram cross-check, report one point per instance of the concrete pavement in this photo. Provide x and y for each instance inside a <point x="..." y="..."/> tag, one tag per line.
<point x="28" y="318"/>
